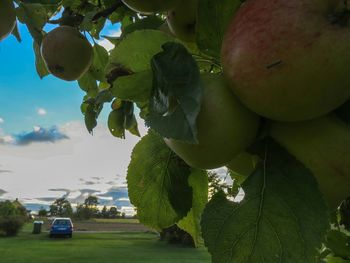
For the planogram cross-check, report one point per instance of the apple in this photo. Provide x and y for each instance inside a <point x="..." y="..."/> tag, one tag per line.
<point x="150" y="6"/>
<point x="323" y="146"/>
<point x="7" y="18"/>
<point x="182" y="20"/>
<point x="288" y="60"/>
<point x="67" y="53"/>
<point x="242" y="166"/>
<point x="225" y="127"/>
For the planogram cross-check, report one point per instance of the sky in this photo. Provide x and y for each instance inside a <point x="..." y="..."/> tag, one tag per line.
<point x="44" y="146"/>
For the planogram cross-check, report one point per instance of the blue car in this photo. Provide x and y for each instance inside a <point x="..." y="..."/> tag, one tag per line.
<point x="61" y="227"/>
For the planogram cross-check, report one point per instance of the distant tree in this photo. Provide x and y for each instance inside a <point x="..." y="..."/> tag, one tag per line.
<point x="88" y="209"/>
<point x="13" y="215"/>
<point x="42" y="212"/>
<point x="91" y="201"/>
<point x="113" y="212"/>
<point x="61" y="207"/>
<point x="104" y="212"/>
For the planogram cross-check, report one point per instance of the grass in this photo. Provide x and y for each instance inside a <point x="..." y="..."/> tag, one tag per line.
<point x="96" y="248"/>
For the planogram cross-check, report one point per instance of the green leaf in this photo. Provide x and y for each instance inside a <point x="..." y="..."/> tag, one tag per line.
<point x="16" y="33"/>
<point x="191" y="223"/>
<point x="276" y="220"/>
<point x="339" y="243"/>
<point x="213" y="18"/>
<point x="35" y="17"/>
<point x="177" y="92"/>
<point x="136" y="87"/>
<point x="39" y="62"/>
<point x="136" y="50"/>
<point x="158" y="183"/>
<point x="334" y="259"/>
<point x="99" y="63"/>
<point x="90" y="118"/>
<point x="116" y="120"/>
<point x="150" y="22"/>
<point x="88" y="84"/>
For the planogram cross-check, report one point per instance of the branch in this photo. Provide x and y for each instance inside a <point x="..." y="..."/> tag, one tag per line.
<point x="108" y="11"/>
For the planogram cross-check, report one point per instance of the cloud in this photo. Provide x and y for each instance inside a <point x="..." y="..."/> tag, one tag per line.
<point x="5" y="171"/>
<point x="2" y="120"/>
<point x="38" y="134"/>
<point x="41" y="112"/>
<point x="106" y="43"/>
<point x="2" y="192"/>
<point x="89" y="183"/>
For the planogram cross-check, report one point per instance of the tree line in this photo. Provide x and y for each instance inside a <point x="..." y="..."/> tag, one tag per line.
<point x="89" y="209"/>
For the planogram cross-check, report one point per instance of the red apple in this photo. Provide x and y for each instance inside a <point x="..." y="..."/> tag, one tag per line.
<point x="288" y="59"/>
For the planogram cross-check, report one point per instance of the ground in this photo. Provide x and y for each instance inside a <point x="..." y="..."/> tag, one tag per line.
<point x="98" y="247"/>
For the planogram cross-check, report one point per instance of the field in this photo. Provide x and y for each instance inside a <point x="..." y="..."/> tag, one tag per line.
<point x="98" y="247"/>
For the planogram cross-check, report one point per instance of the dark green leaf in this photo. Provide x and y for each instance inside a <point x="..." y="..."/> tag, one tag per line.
<point x="213" y="18"/>
<point x="177" y="93"/>
<point x="339" y="243"/>
<point x="158" y="183"/>
<point x="276" y="220"/>
<point x="191" y="223"/>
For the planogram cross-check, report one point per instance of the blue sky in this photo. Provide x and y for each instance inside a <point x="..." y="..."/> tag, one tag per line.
<point x="43" y="142"/>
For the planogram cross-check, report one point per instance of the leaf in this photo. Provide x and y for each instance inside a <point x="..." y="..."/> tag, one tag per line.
<point x="136" y="87"/>
<point x="88" y="84"/>
<point x="334" y="259"/>
<point x="198" y="180"/>
<point x="116" y="120"/>
<point x="339" y="243"/>
<point x="213" y="18"/>
<point x="150" y="22"/>
<point x="99" y="63"/>
<point x="176" y="99"/>
<point x="122" y="118"/>
<point x="35" y="17"/>
<point x="158" y="183"/>
<point x="16" y="33"/>
<point x="136" y="50"/>
<point x="39" y="62"/>
<point x="90" y="118"/>
<point x="276" y="220"/>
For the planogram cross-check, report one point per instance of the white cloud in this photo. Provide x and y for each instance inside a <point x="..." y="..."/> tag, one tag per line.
<point x="41" y="112"/>
<point x="39" y="167"/>
<point x="1" y="120"/>
<point x="106" y="43"/>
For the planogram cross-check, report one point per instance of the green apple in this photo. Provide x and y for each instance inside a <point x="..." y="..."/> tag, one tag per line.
<point x="7" y="18"/>
<point x="323" y="146"/>
<point x="182" y="20"/>
<point x="150" y="6"/>
<point x="288" y="60"/>
<point x="67" y="53"/>
<point x="242" y="166"/>
<point x="225" y="127"/>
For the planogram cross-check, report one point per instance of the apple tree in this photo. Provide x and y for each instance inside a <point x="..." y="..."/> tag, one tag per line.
<point x="257" y="86"/>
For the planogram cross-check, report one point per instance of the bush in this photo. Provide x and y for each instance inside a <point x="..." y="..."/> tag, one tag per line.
<point x="12" y="217"/>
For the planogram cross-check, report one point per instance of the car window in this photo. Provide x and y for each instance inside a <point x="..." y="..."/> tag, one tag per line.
<point x="61" y="222"/>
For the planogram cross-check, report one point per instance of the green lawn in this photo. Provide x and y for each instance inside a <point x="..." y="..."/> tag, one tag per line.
<point x="96" y="248"/>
